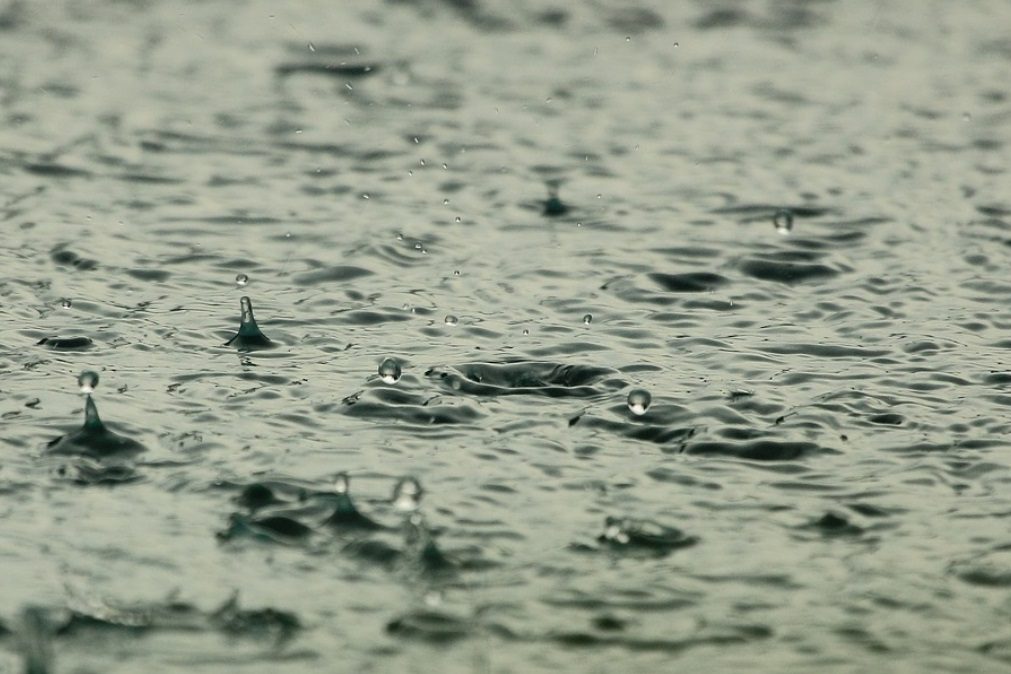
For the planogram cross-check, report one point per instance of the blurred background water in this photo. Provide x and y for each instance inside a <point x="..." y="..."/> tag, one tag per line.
<point x="788" y="221"/>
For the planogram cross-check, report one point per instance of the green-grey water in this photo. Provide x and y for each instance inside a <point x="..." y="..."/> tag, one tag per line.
<point x="591" y="337"/>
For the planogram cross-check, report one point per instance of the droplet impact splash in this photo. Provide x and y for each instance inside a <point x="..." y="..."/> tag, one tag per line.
<point x="390" y="371"/>
<point x="407" y="495"/>
<point x="783" y="220"/>
<point x="639" y="401"/>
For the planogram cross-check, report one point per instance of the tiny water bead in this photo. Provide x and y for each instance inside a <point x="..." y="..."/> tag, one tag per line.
<point x="639" y="401"/>
<point x="452" y="320"/>
<point x="783" y="221"/>
<point x="241" y="280"/>
<point x="407" y="495"/>
<point x="587" y="319"/>
<point x="88" y="381"/>
<point x="341" y="483"/>
<point x="66" y="304"/>
<point x="390" y="371"/>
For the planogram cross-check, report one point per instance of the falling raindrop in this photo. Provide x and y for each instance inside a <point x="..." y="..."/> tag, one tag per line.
<point x="312" y="47"/>
<point x="66" y="304"/>
<point x="340" y="483"/>
<point x="638" y="401"/>
<point x="783" y="220"/>
<point x="87" y="380"/>
<point x="452" y="320"/>
<point x="587" y="319"/>
<point x="241" y="280"/>
<point x="390" y="371"/>
<point x="407" y="495"/>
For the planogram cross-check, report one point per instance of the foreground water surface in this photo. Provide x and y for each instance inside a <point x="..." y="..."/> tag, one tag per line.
<point x="697" y="318"/>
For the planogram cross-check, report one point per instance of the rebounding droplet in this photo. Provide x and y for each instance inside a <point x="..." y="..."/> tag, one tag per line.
<point x="407" y="495"/>
<point x="452" y="320"/>
<point x="783" y="220"/>
<point x="66" y="304"/>
<point x="638" y="401"/>
<point x="390" y="371"/>
<point x="587" y="319"/>
<point x="241" y="280"/>
<point x="249" y="335"/>
<point x="341" y="483"/>
<point x="87" y="380"/>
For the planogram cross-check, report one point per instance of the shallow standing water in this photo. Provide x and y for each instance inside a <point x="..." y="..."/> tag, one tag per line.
<point x="535" y="208"/>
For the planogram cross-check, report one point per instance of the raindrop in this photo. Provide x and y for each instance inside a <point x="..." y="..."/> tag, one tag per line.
<point x="783" y="220"/>
<point x="341" y="483"/>
<point x="638" y="401"/>
<point x="416" y="140"/>
<point x="456" y="272"/>
<point x="421" y="161"/>
<point x="365" y="195"/>
<point x="407" y="495"/>
<point x="526" y="331"/>
<point x="241" y="280"/>
<point x="348" y="86"/>
<point x="312" y="47"/>
<point x="452" y="320"/>
<point x="587" y="319"/>
<point x="390" y="371"/>
<point x="66" y="304"/>
<point x="445" y="202"/>
<point x="966" y="117"/>
<point x="676" y="45"/>
<point x="458" y="219"/>
<point x="445" y="167"/>
<point x="87" y="380"/>
<point x="418" y="245"/>
<point x="628" y="38"/>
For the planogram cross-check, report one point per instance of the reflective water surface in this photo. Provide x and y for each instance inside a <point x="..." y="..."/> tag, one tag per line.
<point x="588" y="337"/>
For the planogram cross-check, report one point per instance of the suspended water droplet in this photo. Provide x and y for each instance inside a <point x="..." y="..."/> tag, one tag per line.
<point x="400" y="237"/>
<point x="966" y="117"/>
<point x="421" y="161"/>
<point x="416" y="140"/>
<point x="628" y="38"/>
<point x="445" y="166"/>
<point x="241" y="280"/>
<point x="587" y="319"/>
<point x="311" y="47"/>
<point x="456" y="272"/>
<point x="407" y="495"/>
<point x="638" y="401"/>
<point x="783" y="220"/>
<point x="526" y="331"/>
<point x="348" y="86"/>
<point x="341" y="483"/>
<point x="458" y="219"/>
<point x="445" y="202"/>
<point x="66" y="304"/>
<point x="390" y="371"/>
<point x="365" y="195"/>
<point x="676" y="45"/>
<point x="418" y="245"/>
<point x="87" y="380"/>
<point x="452" y="320"/>
<point x="616" y="531"/>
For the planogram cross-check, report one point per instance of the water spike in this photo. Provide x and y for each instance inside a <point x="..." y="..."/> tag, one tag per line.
<point x="91" y="419"/>
<point x="345" y="514"/>
<point x="249" y="335"/>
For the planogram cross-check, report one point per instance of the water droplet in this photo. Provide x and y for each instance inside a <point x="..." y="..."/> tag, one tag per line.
<point x="445" y="167"/>
<point x="458" y="219"/>
<point x="452" y="320"/>
<point x="390" y="371"/>
<point x="418" y="245"/>
<point x="341" y="483"/>
<point x="87" y="380"/>
<point x="638" y="401"/>
<point x="365" y="195"/>
<point x="616" y="531"/>
<point x="676" y="45"/>
<point x="241" y="280"/>
<point x="421" y="161"/>
<point x="456" y="272"/>
<point x="400" y="237"/>
<point x="311" y="47"/>
<point x="445" y="202"/>
<point x="966" y="117"/>
<point x="348" y="86"/>
<point x="407" y="495"/>
<point x="783" y="220"/>
<point x="416" y="140"/>
<point x="587" y="319"/>
<point x="526" y="331"/>
<point x="66" y="304"/>
<point x="628" y="38"/>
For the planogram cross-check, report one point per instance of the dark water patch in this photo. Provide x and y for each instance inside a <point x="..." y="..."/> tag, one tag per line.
<point x="432" y="626"/>
<point x="825" y="351"/>
<point x="339" y="273"/>
<point x="157" y="275"/>
<point x="553" y="380"/>
<point x="785" y="272"/>
<point x="991" y="569"/>
<point x="758" y="450"/>
<point x="47" y="170"/>
<point x="66" y="343"/>
<point x="268" y="528"/>
<point x="693" y="282"/>
<point x="742" y="635"/>
<point x="634" y="19"/>
<point x="340" y="71"/>
<point x="67" y="258"/>
<point x="766" y="211"/>
<point x="887" y="419"/>
<point x="832" y="524"/>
